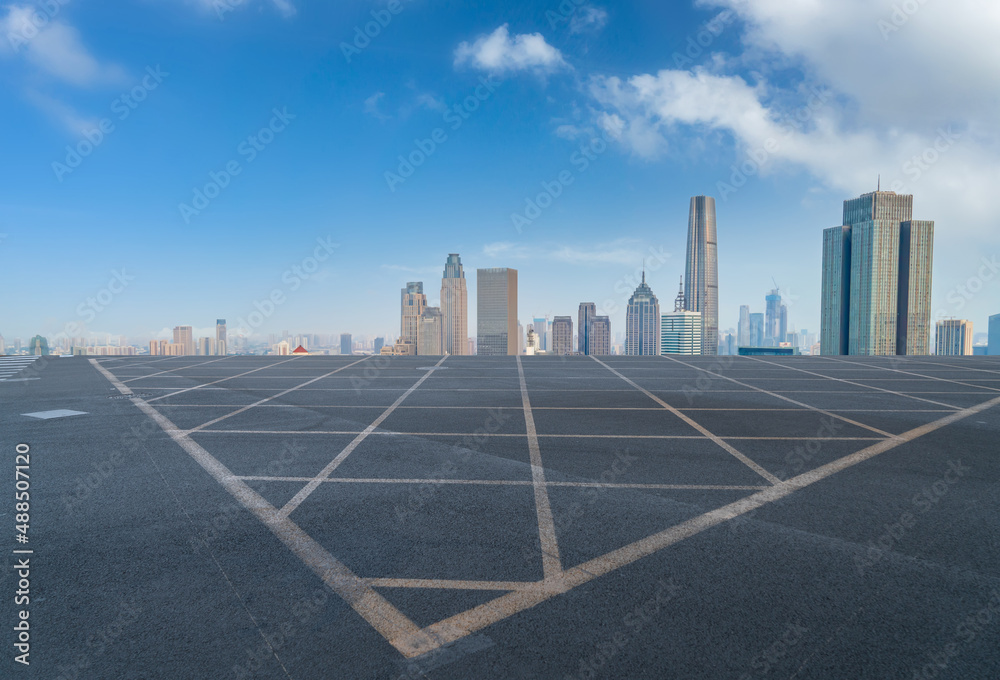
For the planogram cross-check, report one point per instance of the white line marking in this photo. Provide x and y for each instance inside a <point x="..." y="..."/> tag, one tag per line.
<point x="304" y="493"/>
<point x="389" y="433"/>
<point x="179" y="368"/>
<point x="925" y="377"/>
<point x="718" y="440"/>
<point x="216" y="382"/>
<point x="506" y="482"/>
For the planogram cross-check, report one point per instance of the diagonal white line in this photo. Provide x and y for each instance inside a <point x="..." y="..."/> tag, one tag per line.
<point x="718" y="440"/>
<point x="216" y="382"/>
<point x="304" y="493"/>
<point x="180" y="368"/>
<point x="784" y="398"/>
<point x="274" y="396"/>
<point x="925" y="377"/>
<point x="551" y="562"/>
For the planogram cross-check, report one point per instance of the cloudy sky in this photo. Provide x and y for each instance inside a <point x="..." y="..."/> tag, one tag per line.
<point x="170" y="162"/>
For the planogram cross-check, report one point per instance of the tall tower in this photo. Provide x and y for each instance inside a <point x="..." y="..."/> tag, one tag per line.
<point x="772" y="318"/>
<point x="701" y="292"/>
<point x="743" y="332"/>
<point x="413" y="303"/>
<point x="585" y="327"/>
<point x="953" y="338"/>
<point x="642" y="322"/>
<point x="455" y="307"/>
<point x="877" y="279"/>
<point x="562" y="335"/>
<point x="496" y="312"/>
<point x="221" y="339"/>
<point x="184" y="336"/>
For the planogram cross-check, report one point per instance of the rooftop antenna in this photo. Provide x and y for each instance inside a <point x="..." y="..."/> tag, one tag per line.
<point x="644" y="270"/>
<point x="879" y="182"/>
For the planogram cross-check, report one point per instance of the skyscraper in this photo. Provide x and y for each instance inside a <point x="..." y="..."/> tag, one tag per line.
<point x="953" y="338"/>
<point x="562" y="335"/>
<point x="412" y="305"/>
<point x="756" y="330"/>
<point x="221" y="339"/>
<point x="994" y="341"/>
<point x="455" y="307"/>
<point x="701" y="292"/>
<point x="600" y="336"/>
<point x="783" y="324"/>
<point x="184" y="336"/>
<point x="541" y="326"/>
<point x="496" y="312"/>
<point x="642" y="322"/>
<point x="430" y="333"/>
<point x="743" y="330"/>
<point x="38" y="346"/>
<point x="585" y="323"/>
<point x="379" y="344"/>
<point x="877" y="279"/>
<point x="681" y="333"/>
<point x="772" y="318"/>
<point x="346" y="344"/>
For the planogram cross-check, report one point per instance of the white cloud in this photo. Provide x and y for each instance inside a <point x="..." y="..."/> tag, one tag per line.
<point x="223" y="7"/>
<point x="372" y="106"/>
<point x="498" y="52"/>
<point x="62" y="113"/>
<point x="588" y="19"/>
<point x="55" y="48"/>
<point x="625" y="251"/>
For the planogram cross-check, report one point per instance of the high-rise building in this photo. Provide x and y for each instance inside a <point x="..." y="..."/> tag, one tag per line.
<point x="496" y="312"/>
<point x="680" y="333"/>
<point x="743" y="331"/>
<point x="953" y="338"/>
<point x="541" y="326"/>
<point x="3" y="345"/>
<point x="282" y="349"/>
<point x="642" y="322"/>
<point x="38" y="346"/>
<point x="206" y="347"/>
<point x="379" y="344"/>
<point x="701" y="292"/>
<point x="221" y="339"/>
<point x="584" y="327"/>
<point x="772" y="318"/>
<point x="877" y="279"/>
<point x="600" y="336"/>
<point x="346" y="343"/>
<point x="562" y="335"/>
<point x="455" y="307"/>
<point x="756" y="330"/>
<point x="732" y="349"/>
<point x="413" y="302"/>
<point x="783" y="324"/>
<point x="994" y="341"/>
<point x="184" y="336"/>
<point x="431" y="332"/>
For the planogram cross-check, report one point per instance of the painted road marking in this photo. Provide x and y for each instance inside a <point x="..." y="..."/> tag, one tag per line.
<point x="59" y="413"/>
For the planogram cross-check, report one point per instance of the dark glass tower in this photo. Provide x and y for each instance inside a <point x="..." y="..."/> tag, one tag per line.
<point x="701" y="282"/>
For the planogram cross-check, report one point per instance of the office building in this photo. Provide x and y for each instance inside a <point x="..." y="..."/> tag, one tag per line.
<point x="600" y="336"/>
<point x="562" y="335"/>
<point x="756" y="330"/>
<point x="680" y="333"/>
<point x="346" y="343"/>
<point x="413" y="302"/>
<point x="430" y="333"/>
<point x="642" y="322"/>
<point x="877" y="279"/>
<point x="455" y="307"/>
<point x="38" y="346"/>
<point x="184" y="336"/>
<point x="701" y="293"/>
<point x="783" y="325"/>
<point x="953" y="338"/>
<point x="585" y="322"/>
<point x="743" y="330"/>
<point x="541" y="326"/>
<point x="379" y="344"/>
<point x="772" y="318"/>
<point x="282" y="349"/>
<point x="221" y="338"/>
<point x="496" y="312"/>
<point x="993" y="344"/>
<point x="206" y="347"/>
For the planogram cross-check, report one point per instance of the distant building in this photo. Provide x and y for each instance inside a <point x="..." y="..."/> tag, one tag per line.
<point x="530" y="344"/>
<point x="562" y="335"/>
<point x="379" y="344"/>
<point x="404" y="349"/>
<point x="953" y="338"/>
<point x="584" y="328"/>
<point x="282" y="349"/>
<point x="346" y="343"/>
<point x="979" y="350"/>
<point x="300" y="351"/>
<point x="184" y="336"/>
<point x="600" y="336"/>
<point x="496" y="312"/>
<point x="455" y="307"/>
<point x="701" y="293"/>
<point x="38" y="346"/>
<point x="430" y="333"/>
<point x="768" y="351"/>
<point x="743" y="330"/>
<point x="642" y="323"/>
<point x="206" y="347"/>
<point x="221" y="338"/>
<point x="3" y="345"/>
<point x="680" y="333"/>
<point x="994" y="341"/>
<point x="731" y="347"/>
<point x="756" y="330"/>
<point x="412" y="305"/>
<point x="877" y="270"/>
<point x="541" y="327"/>
<point x="772" y="319"/>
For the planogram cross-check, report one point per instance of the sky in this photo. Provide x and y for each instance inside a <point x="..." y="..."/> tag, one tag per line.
<point x="171" y="162"/>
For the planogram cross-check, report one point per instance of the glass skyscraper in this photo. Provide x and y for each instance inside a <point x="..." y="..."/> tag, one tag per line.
<point x="994" y="336"/>
<point x="642" y="322"/>
<point x="562" y="335"/>
<point x="496" y="312"/>
<point x="413" y="302"/>
<point x="585" y="327"/>
<point x="701" y="292"/>
<point x="455" y="307"/>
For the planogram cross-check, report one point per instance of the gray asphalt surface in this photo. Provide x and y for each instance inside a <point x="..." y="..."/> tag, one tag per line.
<point x="144" y="566"/>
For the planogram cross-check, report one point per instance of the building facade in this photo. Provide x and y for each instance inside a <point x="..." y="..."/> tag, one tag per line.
<point x="953" y="338"/>
<point x="642" y="322"/>
<point x="600" y="336"/>
<point x="756" y="330"/>
<point x="701" y="292"/>
<point x="431" y="332"/>
<point x="413" y="302"/>
<point x="743" y="331"/>
<point x="496" y="312"/>
<point x="184" y="336"/>
<point x="346" y="343"/>
<point x="455" y="307"/>
<point x="993" y="346"/>
<point x="562" y="335"/>
<point x="680" y="333"/>
<point x="584" y="327"/>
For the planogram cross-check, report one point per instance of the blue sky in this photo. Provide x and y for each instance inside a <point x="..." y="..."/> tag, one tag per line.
<point x="816" y="100"/>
